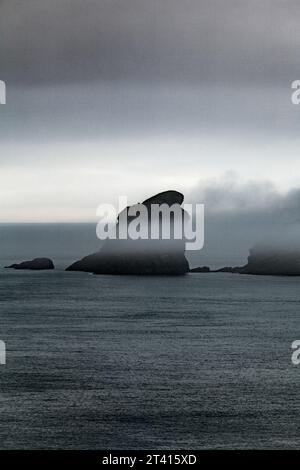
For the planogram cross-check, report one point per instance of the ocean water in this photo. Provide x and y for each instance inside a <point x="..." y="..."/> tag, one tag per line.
<point x="201" y="361"/>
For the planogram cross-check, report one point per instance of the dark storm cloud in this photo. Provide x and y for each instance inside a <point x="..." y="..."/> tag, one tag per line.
<point x="150" y="40"/>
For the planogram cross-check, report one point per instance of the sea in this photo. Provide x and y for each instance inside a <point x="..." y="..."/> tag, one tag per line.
<point x="201" y="361"/>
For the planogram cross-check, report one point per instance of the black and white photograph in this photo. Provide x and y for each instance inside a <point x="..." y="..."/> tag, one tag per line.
<point x="149" y="228"/>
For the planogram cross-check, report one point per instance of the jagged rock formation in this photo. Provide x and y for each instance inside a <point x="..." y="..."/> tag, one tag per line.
<point x="141" y="256"/>
<point x="36" y="264"/>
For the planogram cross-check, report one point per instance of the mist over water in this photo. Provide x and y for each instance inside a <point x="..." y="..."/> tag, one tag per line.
<point x="228" y="238"/>
<point x="65" y="243"/>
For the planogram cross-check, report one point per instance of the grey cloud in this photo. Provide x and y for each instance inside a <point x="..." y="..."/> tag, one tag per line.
<point x="261" y="198"/>
<point x="242" y="215"/>
<point x="98" y="111"/>
<point x="92" y="68"/>
<point x="149" y="40"/>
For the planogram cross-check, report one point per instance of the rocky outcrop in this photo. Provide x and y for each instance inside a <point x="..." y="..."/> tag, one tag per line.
<point x="268" y="261"/>
<point x="141" y="256"/>
<point x="151" y="264"/>
<point x="229" y="269"/>
<point x="226" y="269"/>
<point x="273" y="261"/>
<point x="200" y="269"/>
<point x="36" y="264"/>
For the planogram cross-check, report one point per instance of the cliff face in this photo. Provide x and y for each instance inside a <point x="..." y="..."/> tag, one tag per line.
<point x="148" y="257"/>
<point x="273" y="261"/>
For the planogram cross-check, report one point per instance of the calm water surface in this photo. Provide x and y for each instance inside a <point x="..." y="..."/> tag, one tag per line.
<point x="109" y="362"/>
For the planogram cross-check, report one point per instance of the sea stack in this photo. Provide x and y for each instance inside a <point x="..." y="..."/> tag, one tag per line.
<point x="273" y="261"/>
<point x="142" y="256"/>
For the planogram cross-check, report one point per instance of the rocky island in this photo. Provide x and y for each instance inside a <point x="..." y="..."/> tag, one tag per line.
<point x="273" y="261"/>
<point x="141" y="256"/>
<point x="200" y="269"/>
<point x="265" y="261"/>
<point x="36" y="264"/>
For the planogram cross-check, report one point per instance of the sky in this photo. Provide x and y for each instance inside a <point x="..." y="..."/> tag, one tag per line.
<point x="133" y="97"/>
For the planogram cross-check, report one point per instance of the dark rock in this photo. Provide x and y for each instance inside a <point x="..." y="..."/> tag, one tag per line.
<point x="229" y="269"/>
<point x="35" y="264"/>
<point x="100" y="263"/>
<point x="200" y="269"/>
<point x="149" y="257"/>
<point x="273" y="261"/>
<point x="269" y="261"/>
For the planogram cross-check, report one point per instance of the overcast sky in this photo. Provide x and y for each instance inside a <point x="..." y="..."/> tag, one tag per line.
<point x="114" y="97"/>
